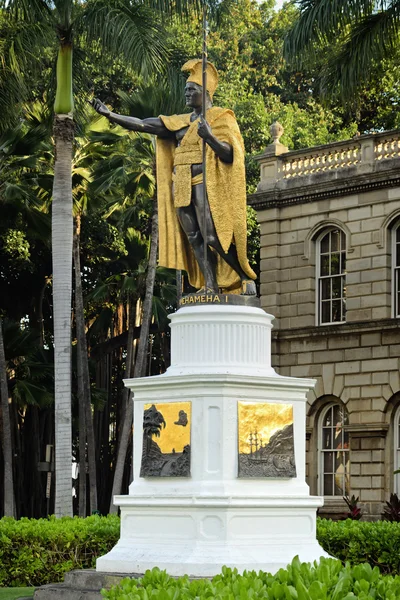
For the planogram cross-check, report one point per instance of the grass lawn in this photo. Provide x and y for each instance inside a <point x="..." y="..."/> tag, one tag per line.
<point x="13" y="593"/>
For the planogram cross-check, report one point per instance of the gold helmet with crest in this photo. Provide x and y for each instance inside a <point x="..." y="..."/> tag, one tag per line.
<point x="195" y="68"/>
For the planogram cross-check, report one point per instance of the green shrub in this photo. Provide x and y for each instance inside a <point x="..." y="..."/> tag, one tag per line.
<point x="326" y="580"/>
<point x="377" y="543"/>
<point x="35" y="552"/>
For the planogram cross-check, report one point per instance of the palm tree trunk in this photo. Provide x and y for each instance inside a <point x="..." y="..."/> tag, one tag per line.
<point x="80" y="382"/>
<point x="140" y="363"/>
<point x="6" y="436"/>
<point x="62" y="235"/>
<point x="126" y="422"/>
<point x="83" y="371"/>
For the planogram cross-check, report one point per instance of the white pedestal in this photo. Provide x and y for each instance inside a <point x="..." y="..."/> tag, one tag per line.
<point x="220" y="355"/>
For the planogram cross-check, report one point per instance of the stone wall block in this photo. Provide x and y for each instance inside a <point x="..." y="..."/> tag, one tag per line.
<point x="353" y="304"/>
<point x="361" y="482"/>
<point x="328" y="372"/>
<point x="359" y="379"/>
<point x="371" y="339"/>
<point x="372" y="416"/>
<point x="331" y="356"/>
<point x="267" y="227"/>
<point x="394" y="381"/>
<point x="374" y="300"/>
<point x="338" y="384"/>
<point x="372" y="443"/>
<point x="359" y="289"/>
<point x="378" y="456"/>
<point x="364" y="456"/>
<point x="381" y="261"/>
<point x="364" y="314"/>
<point x="381" y="312"/>
<point x="381" y="352"/>
<point x="379" y="404"/>
<point x="378" y="481"/>
<point x="373" y="275"/>
<point x="360" y="353"/>
<point x="391" y="337"/>
<point x="371" y="391"/>
<point x="372" y="224"/>
<point x="347" y="367"/>
<point x="394" y="350"/>
<point x="357" y="405"/>
<point x="371" y="495"/>
<point x="387" y="392"/>
<point x="367" y="366"/>
<point x="371" y="468"/>
<point x="357" y="214"/>
<point x="303" y="321"/>
<point x="358" y="264"/>
<point x="355" y="469"/>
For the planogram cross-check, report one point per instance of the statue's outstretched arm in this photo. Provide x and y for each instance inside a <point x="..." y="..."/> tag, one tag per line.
<point x="153" y="125"/>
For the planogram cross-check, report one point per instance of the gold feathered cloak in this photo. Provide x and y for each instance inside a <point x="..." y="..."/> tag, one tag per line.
<point x="226" y="192"/>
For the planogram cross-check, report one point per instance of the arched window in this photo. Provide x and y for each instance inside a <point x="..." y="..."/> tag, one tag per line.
<point x="396" y="269"/>
<point x="397" y="450"/>
<point x="331" y="277"/>
<point x="333" y="452"/>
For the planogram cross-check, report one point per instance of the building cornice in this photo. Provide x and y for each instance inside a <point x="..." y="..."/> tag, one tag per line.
<point x="336" y="330"/>
<point x="346" y="182"/>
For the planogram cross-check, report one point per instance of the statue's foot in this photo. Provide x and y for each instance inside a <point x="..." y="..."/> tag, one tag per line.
<point x="208" y="290"/>
<point x="248" y="288"/>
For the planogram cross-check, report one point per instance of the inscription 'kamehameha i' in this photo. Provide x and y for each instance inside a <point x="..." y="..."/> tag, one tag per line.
<point x="211" y="298"/>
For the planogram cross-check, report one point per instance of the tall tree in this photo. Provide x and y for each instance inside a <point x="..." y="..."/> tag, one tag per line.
<point x="124" y="28"/>
<point x="6" y="438"/>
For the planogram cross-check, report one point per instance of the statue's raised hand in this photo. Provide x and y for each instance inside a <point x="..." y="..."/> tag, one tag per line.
<point x="204" y="129"/>
<point x="100" y="107"/>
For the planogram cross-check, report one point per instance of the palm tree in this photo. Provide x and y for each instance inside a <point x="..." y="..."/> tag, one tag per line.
<point x="6" y="437"/>
<point x="124" y="27"/>
<point x="132" y="30"/>
<point x="356" y="36"/>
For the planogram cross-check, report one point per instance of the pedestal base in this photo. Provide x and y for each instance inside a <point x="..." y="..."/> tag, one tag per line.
<point x="216" y="516"/>
<point x="198" y="536"/>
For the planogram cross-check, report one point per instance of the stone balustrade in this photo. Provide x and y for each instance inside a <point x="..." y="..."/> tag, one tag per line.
<point x="282" y="170"/>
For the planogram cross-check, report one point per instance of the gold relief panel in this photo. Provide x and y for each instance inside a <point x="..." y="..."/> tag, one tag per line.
<point x="166" y="440"/>
<point x="265" y="440"/>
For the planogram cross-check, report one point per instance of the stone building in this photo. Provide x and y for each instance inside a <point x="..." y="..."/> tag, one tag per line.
<point x="330" y="264"/>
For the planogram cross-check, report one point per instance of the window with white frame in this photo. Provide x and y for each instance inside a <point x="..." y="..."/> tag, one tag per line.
<point x="397" y="450"/>
<point x="331" y="277"/>
<point x="334" y="457"/>
<point x="396" y="269"/>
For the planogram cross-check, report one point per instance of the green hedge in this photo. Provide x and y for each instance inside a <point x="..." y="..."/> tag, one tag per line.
<point x="328" y="580"/>
<point x="377" y="543"/>
<point x="35" y="552"/>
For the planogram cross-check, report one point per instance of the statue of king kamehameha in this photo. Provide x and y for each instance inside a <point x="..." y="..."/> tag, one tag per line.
<point x="180" y="188"/>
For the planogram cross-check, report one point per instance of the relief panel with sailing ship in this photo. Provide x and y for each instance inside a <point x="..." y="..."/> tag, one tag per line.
<point x="265" y="439"/>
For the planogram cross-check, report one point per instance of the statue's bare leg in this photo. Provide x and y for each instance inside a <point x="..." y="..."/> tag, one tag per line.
<point x="230" y="257"/>
<point x="190" y="225"/>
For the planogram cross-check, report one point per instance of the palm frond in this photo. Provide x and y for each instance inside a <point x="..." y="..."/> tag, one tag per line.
<point x="322" y="20"/>
<point x="32" y="11"/>
<point x="163" y="95"/>
<point x="132" y="31"/>
<point x="369" y="42"/>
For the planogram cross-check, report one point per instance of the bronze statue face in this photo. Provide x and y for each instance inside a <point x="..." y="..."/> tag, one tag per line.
<point x="193" y="94"/>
